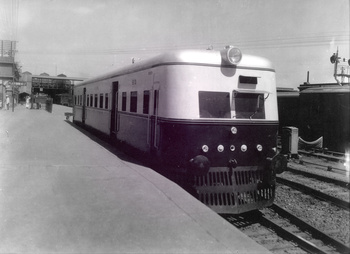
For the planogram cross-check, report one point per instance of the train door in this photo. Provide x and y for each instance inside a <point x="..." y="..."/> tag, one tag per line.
<point x="154" y="125"/>
<point x="114" y="111"/>
<point x="84" y="106"/>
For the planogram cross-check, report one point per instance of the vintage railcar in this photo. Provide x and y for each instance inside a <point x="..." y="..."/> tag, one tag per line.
<point x="209" y="115"/>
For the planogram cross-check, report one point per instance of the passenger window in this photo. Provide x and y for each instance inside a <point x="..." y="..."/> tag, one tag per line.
<point x="124" y="101"/>
<point x="101" y="100"/>
<point x="95" y="104"/>
<point x="106" y="101"/>
<point x="146" y="97"/>
<point x="248" y="105"/>
<point x="88" y="100"/>
<point x="133" y="102"/>
<point x="214" y="104"/>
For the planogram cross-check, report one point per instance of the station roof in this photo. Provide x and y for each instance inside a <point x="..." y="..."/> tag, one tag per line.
<point x="59" y="78"/>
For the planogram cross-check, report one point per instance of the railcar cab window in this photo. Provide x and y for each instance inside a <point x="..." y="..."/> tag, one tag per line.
<point x="248" y="105"/>
<point x="214" y="104"/>
<point x="242" y="106"/>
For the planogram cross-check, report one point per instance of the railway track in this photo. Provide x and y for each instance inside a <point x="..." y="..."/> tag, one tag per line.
<point x="322" y="165"/>
<point x="323" y="159"/>
<point x="324" y="154"/>
<point x="294" y="168"/>
<point x="281" y="232"/>
<point x="321" y="198"/>
<point x="326" y="159"/>
<point x="315" y="193"/>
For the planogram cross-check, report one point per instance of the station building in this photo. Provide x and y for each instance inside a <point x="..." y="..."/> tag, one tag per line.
<point x="59" y="88"/>
<point x="8" y="71"/>
<point x="18" y="86"/>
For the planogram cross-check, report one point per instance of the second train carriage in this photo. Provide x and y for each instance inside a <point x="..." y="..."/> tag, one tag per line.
<point x="209" y="115"/>
<point x="320" y="112"/>
<point x="324" y="112"/>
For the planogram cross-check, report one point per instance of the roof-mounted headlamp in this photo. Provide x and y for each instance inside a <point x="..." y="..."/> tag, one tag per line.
<point x="232" y="55"/>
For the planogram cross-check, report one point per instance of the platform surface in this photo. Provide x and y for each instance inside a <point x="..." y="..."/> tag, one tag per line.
<point x="63" y="191"/>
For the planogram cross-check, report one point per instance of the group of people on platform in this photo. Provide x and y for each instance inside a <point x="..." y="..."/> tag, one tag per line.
<point x="31" y="102"/>
<point x="8" y="102"/>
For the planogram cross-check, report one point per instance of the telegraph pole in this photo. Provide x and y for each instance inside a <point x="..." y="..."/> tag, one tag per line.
<point x="335" y="59"/>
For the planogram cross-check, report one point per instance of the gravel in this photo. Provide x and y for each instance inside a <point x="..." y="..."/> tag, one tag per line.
<point x="322" y="215"/>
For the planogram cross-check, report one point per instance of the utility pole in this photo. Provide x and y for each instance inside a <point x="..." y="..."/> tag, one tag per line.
<point x="335" y="59"/>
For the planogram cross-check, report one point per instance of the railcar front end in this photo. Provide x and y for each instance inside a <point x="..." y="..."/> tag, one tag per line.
<point x="221" y="130"/>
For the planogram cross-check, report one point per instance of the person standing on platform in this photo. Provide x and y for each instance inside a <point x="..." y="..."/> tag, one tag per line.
<point x="7" y="102"/>
<point x="28" y="102"/>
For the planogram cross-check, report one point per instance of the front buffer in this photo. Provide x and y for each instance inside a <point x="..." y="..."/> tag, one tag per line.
<point x="231" y="168"/>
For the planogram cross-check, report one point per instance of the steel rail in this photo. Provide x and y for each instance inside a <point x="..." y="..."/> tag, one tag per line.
<point x="328" y="167"/>
<point x="307" y="190"/>
<point x="319" y="177"/>
<point x="341" y="247"/>
<point x="330" y="156"/>
<point x="261" y="219"/>
<point x="301" y="242"/>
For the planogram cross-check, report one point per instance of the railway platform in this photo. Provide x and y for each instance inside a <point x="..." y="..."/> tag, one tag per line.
<point x="64" y="191"/>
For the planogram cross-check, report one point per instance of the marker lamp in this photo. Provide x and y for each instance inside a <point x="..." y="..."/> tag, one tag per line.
<point x="220" y="148"/>
<point x="205" y="148"/>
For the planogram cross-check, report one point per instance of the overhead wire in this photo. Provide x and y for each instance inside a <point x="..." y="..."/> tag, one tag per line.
<point x="9" y="19"/>
<point x="281" y="42"/>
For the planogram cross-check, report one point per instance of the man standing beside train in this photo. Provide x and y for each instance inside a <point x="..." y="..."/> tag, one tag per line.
<point x="7" y="102"/>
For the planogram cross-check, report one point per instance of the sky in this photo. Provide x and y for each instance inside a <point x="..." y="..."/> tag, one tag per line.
<point x="85" y="38"/>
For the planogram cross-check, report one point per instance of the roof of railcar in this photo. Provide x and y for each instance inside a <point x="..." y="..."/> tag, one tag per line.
<point x="185" y="57"/>
<point x="287" y="92"/>
<point x="327" y="89"/>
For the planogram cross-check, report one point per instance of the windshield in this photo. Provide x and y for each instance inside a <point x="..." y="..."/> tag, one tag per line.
<point x="243" y="105"/>
<point x="214" y="105"/>
<point x="248" y="106"/>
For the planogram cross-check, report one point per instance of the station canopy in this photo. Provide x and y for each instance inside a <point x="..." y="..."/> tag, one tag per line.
<point x="53" y="82"/>
<point x="53" y="85"/>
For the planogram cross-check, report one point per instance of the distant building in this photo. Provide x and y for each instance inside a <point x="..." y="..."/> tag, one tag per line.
<point x="59" y="88"/>
<point x="8" y="70"/>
